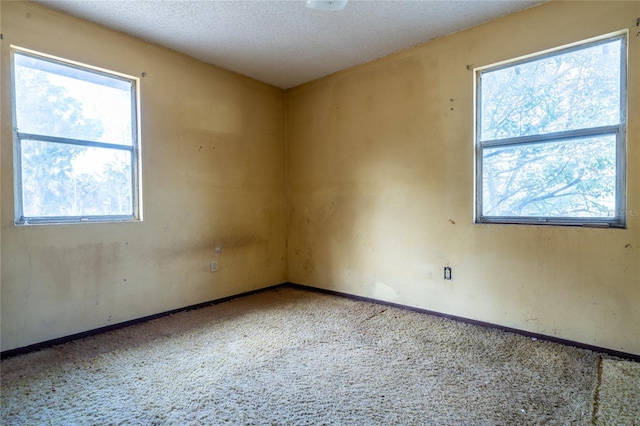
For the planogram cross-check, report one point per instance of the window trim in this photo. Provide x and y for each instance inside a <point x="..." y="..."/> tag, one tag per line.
<point x="619" y="130"/>
<point x="134" y="148"/>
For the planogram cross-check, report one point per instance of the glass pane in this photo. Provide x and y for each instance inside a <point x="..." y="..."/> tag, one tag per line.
<point x="573" y="90"/>
<point x="59" y="100"/>
<point x="571" y="178"/>
<point x="69" y="180"/>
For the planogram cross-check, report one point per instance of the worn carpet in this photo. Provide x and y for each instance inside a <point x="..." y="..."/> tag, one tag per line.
<point x="296" y="357"/>
<point x="618" y="400"/>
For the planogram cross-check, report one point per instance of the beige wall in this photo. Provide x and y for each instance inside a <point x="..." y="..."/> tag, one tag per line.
<point x="381" y="161"/>
<point x="213" y="186"/>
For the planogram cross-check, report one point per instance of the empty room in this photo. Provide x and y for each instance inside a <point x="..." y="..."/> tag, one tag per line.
<point x="320" y="212"/>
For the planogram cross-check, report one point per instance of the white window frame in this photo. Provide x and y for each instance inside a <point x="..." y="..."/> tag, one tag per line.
<point x="619" y="130"/>
<point x="133" y="149"/>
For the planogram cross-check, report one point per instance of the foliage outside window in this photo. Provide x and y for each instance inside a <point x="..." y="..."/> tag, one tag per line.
<point x="550" y="137"/>
<point x="75" y="141"/>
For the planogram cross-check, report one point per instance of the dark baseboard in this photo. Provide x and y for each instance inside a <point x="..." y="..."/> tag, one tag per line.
<point x="619" y="354"/>
<point x="43" y="345"/>
<point x="65" y="339"/>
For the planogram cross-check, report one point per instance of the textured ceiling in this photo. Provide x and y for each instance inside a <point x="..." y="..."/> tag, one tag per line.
<point x="283" y="43"/>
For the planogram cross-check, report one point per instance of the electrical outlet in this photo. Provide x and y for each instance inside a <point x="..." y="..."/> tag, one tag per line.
<point x="447" y="272"/>
<point x="214" y="266"/>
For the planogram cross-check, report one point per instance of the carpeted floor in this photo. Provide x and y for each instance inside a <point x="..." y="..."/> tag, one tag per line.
<point x="295" y="357"/>
<point x="618" y="396"/>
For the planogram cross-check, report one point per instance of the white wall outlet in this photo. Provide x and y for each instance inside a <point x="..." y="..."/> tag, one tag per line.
<point x="447" y="273"/>
<point x="214" y="266"/>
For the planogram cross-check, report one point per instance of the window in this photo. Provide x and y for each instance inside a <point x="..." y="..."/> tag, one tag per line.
<point x="550" y="137"/>
<point x="76" y="142"/>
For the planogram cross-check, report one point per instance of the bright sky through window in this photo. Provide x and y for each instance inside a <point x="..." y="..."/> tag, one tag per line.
<point x="77" y="142"/>
<point x="551" y="137"/>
